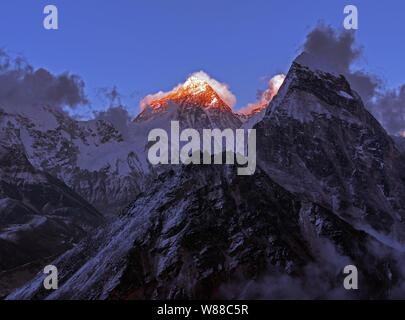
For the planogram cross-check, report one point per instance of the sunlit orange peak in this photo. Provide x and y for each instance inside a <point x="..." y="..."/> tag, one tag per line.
<point x="193" y="92"/>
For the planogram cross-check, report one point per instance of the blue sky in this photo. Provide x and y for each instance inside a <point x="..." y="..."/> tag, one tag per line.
<point x="146" y="46"/>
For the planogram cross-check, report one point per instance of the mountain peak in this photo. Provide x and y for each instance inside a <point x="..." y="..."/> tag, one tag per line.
<point x="192" y="93"/>
<point x="193" y="83"/>
<point x="316" y="63"/>
<point x="195" y="103"/>
<point x="321" y="90"/>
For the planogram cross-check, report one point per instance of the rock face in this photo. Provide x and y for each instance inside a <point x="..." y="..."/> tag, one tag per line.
<point x="328" y="192"/>
<point x="318" y="140"/>
<point x="40" y="218"/>
<point x="204" y="232"/>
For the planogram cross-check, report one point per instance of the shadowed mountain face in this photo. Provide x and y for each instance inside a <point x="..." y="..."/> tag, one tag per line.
<point x="328" y="192"/>
<point x="91" y="157"/>
<point x="204" y="232"/>
<point x="40" y="217"/>
<point x="318" y="140"/>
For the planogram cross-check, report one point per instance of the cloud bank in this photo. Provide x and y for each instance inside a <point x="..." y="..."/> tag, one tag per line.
<point x="264" y="96"/>
<point x="21" y="85"/>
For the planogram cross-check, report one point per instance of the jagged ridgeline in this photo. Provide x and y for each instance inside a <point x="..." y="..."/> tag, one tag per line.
<point x="328" y="191"/>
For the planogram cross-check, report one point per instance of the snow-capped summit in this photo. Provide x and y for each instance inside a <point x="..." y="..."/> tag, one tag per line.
<point x="195" y="104"/>
<point x="194" y="92"/>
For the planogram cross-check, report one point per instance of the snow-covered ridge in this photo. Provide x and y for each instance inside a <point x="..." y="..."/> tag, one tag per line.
<point x="92" y="157"/>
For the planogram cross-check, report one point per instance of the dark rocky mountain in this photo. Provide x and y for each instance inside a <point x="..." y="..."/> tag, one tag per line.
<point x="328" y="191"/>
<point x="318" y="140"/>
<point x="203" y="230"/>
<point x="40" y="218"/>
<point x="92" y="157"/>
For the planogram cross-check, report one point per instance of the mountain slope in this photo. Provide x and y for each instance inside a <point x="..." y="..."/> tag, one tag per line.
<point x="40" y="217"/>
<point x="328" y="192"/>
<point x="92" y="157"/>
<point x="318" y="140"/>
<point x="204" y="232"/>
